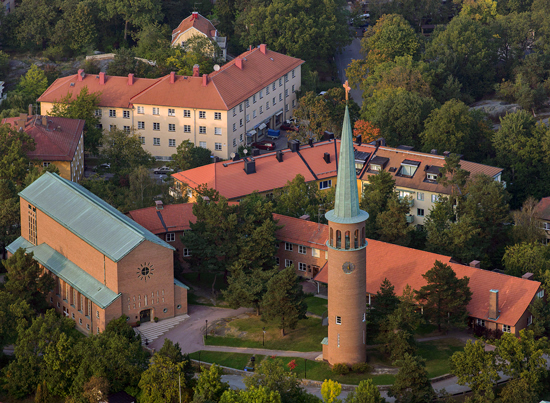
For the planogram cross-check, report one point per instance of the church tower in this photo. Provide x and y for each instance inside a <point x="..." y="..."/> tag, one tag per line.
<point x="346" y="262"/>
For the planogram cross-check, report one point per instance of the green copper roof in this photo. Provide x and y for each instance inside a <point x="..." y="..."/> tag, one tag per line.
<point x="346" y="203"/>
<point x="69" y="272"/>
<point x="180" y="284"/>
<point x="87" y="216"/>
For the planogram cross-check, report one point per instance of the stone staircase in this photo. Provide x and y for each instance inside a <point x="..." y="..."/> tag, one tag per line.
<point x="150" y="330"/>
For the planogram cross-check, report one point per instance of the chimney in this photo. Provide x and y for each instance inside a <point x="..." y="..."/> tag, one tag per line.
<point x="446" y="153"/>
<point x="131" y="79"/>
<point x="196" y="70"/>
<point x="195" y="15"/>
<point x="158" y="204"/>
<point x="30" y="109"/>
<point x="263" y="48"/>
<point x="172" y="77"/>
<point x="528" y="276"/>
<point x="101" y="78"/>
<point x="310" y="142"/>
<point x="305" y="217"/>
<point x="204" y="80"/>
<point x="81" y="74"/>
<point x="494" y="313"/>
<point x="294" y="145"/>
<point x="279" y="156"/>
<point x="239" y="63"/>
<point x="326" y="157"/>
<point x="434" y="151"/>
<point x="45" y="121"/>
<point x="358" y="140"/>
<point x="249" y="166"/>
<point x="22" y="121"/>
<point x="476" y="264"/>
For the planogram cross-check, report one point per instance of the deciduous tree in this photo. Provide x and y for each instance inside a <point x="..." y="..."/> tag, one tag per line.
<point x="526" y="257"/>
<point x="366" y="392"/>
<point x="366" y="130"/>
<point x="330" y="390"/>
<point x="253" y="394"/>
<point x="210" y="386"/>
<point x="188" y="156"/>
<point x="161" y="381"/>
<point x="124" y="151"/>
<point x="412" y="383"/>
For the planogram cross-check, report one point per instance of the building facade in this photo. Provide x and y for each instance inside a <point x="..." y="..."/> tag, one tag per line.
<point x="58" y="141"/>
<point x="104" y="264"/>
<point x="221" y="111"/>
<point x="542" y="213"/>
<point x="197" y="25"/>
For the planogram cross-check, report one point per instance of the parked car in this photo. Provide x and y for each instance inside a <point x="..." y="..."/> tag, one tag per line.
<point x="290" y="125"/>
<point x="163" y="170"/>
<point x="103" y="166"/>
<point x="264" y="145"/>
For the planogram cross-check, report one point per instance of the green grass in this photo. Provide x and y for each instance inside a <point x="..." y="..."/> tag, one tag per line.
<point x="437" y="354"/>
<point x="426" y="329"/>
<point x="306" y="337"/>
<point x="316" y="305"/>
<point x="317" y="371"/>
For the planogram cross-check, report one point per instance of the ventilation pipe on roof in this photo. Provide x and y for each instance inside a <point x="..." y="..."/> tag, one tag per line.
<point x="45" y="121"/>
<point x="434" y="151"/>
<point x="236" y="156"/>
<point x="294" y="145"/>
<point x="239" y="63"/>
<point x="279" y="156"/>
<point x="249" y="166"/>
<point x="446" y="153"/>
<point x="326" y="157"/>
<point x="131" y="79"/>
<point x="81" y="74"/>
<point x="494" y="313"/>
<point x="263" y="48"/>
<point x="158" y="205"/>
<point x="196" y="70"/>
<point x="476" y="264"/>
<point x="204" y="80"/>
<point x="310" y="142"/>
<point x="172" y="77"/>
<point x="101" y="78"/>
<point x="30" y="109"/>
<point x="358" y="140"/>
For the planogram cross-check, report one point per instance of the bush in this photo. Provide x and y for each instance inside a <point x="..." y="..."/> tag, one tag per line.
<point x="340" y="369"/>
<point x="156" y="319"/>
<point x="488" y="334"/>
<point x="138" y="323"/>
<point x="361" y="367"/>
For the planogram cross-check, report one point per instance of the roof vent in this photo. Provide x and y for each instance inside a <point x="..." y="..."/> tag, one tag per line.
<point x="426" y="167"/>
<point x="528" y="276"/>
<point x="326" y="157"/>
<point x="72" y="84"/>
<point x="446" y="153"/>
<point x="279" y="156"/>
<point x="310" y="142"/>
<point x="393" y="169"/>
<point x="255" y="152"/>
<point x="305" y="217"/>
<point x="358" y="140"/>
<point x="81" y="74"/>
<point x="249" y="166"/>
<point x="159" y="205"/>
<point x="196" y="68"/>
<point x="294" y="145"/>
<point x="381" y="142"/>
<point x="235" y="156"/>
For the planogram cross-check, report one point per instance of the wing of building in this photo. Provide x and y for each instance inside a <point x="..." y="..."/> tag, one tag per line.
<point x="194" y="25"/>
<point x="105" y="265"/>
<point x="58" y="141"/>
<point x="415" y="173"/>
<point x="221" y="111"/>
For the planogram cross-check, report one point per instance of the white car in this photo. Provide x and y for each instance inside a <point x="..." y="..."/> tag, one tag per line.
<point x="163" y="171"/>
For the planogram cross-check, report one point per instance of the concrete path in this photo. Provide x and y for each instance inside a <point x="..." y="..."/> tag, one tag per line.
<point x="312" y="355"/>
<point x="189" y="334"/>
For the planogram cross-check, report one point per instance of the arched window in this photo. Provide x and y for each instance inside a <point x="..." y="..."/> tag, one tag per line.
<point x="338" y="239"/>
<point x="362" y="236"/>
<point x="356" y="239"/>
<point x="330" y="239"/>
<point x="347" y="239"/>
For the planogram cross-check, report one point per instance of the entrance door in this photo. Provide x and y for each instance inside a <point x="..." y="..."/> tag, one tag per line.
<point x="145" y="316"/>
<point x="315" y="271"/>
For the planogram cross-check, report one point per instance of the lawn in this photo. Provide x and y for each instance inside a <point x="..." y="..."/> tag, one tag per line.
<point x="314" y="370"/>
<point x="316" y="305"/>
<point x="306" y="337"/>
<point x="437" y="354"/>
<point x="201" y="289"/>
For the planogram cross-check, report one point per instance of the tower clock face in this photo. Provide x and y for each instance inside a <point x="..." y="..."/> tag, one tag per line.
<point x="145" y="271"/>
<point x="348" y="267"/>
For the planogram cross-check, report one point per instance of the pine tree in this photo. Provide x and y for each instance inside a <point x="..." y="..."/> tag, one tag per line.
<point x="411" y="383"/>
<point x="283" y="302"/>
<point x="445" y="297"/>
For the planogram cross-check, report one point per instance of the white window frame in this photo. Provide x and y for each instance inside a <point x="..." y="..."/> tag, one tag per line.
<point x="141" y="125"/>
<point x="171" y="112"/>
<point x="217" y="116"/>
<point x="156" y="141"/>
<point x="218" y="131"/>
<point x="288" y="262"/>
<point x="418" y="211"/>
<point x="325" y="184"/>
<point x="302" y="249"/>
<point x="480" y="322"/>
<point x="170" y="237"/>
<point x="186" y="252"/>
<point x="507" y="328"/>
<point x="156" y="126"/>
<point x="186" y="113"/>
<point x="338" y="320"/>
<point x="171" y="127"/>
<point x="140" y="110"/>
<point x="202" y="114"/>
<point x="202" y="129"/>
<point x="234" y="127"/>
<point x="126" y="114"/>
<point x="431" y="177"/>
<point x="540" y="294"/>
<point x="171" y="142"/>
<point x="302" y="266"/>
<point x="217" y="146"/>
<point x="289" y="247"/>
<point x="202" y="144"/>
<point x="156" y="111"/>
<point x="420" y="196"/>
<point x="187" y="128"/>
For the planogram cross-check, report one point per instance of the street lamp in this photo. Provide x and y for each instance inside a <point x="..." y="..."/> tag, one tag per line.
<point x="206" y="330"/>
<point x="263" y="337"/>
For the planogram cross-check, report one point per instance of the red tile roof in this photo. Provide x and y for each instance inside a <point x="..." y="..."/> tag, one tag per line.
<point x="57" y="142"/>
<point x="543" y="209"/>
<point x="196" y="21"/>
<point x="232" y="182"/>
<point x="115" y="92"/>
<point x="404" y="266"/>
<point x="175" y="217"/>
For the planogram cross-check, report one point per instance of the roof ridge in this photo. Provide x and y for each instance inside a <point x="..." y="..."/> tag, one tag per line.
<point x="158" y="80"/>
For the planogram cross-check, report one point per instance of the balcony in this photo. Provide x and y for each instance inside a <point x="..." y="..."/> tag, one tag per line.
<point x="175" y="193"/>
<point x="408" y="199"/>
<point x="409" y="218"/>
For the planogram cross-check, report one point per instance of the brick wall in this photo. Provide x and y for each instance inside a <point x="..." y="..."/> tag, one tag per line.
<point x="310" y="263"/>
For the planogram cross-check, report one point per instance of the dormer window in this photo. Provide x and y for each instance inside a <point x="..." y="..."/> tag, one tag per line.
<point x="408" y="168"/>
<point x="375" y="167"/>
<point x="432" y="173"/>
<point x="360" y="159"/>
<point x="431" y="177"/>
<point x="377" y="164"/>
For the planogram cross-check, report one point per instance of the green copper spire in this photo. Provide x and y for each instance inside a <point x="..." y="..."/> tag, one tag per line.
<point x="346" y="204"/>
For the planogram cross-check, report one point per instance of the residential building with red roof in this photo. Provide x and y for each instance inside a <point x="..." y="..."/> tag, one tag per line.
<point x="58" y="141"/>
<point x="195" y="25"/>
<point x="219" y="111"/>
<point x="415" y="173"/>
<point x="542" y="212"/>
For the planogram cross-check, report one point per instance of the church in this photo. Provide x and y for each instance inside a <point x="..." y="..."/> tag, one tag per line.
<point x="104" y="264"/>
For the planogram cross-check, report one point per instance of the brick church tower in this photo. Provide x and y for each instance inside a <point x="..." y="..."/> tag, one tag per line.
<point x="346" y="263"/>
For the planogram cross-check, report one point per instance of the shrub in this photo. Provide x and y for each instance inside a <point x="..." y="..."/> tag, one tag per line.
<point x="138" y="323"/>
<point x="156" y="319"/>
<point x="361" y="367"/>
<point x="340" y="369"/>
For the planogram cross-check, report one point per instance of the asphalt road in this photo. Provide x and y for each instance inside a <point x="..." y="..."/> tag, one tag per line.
<point x="343" y="59"/>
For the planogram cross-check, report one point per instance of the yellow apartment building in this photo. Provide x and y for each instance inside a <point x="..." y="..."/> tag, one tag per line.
<point x="197" y="25"/>
<point x="221" y="111"/>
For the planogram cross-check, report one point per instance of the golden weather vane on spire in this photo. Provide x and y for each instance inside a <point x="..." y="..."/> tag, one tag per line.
<point x="347" y="88"/>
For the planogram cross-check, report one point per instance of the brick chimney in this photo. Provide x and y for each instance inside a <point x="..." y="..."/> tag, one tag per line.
<point x="204" y="80"/>
<point x="159" y="205"/>
<point x="476" y="264"/>
<point x="45" y="121"/>
<point x="22" y="121"/>
<point x="172" y="77"/>
<point x="195" y="15"/>
<point x="494" y="313"/>
<point x="81" y="74"/>
<point x="239" y="63"/>
<point x="196" y="70"/>
<point x="101" y="78"/>
<point x="528" y="276"/>
<point x="131" y="79"/>
<point x="30" y="109"/>
<point x="263" y="48"/>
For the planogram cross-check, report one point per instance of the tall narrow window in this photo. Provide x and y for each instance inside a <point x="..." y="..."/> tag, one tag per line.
<point x="32" y="225"/>
<point x="362" y="236"/>
<point x="356" y="239"/>
<point x="338" y="239"/>
<point x="331" y="235"/>
<point x="347" y="239"/>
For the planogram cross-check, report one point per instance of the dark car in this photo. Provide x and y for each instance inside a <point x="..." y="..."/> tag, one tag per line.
<point x="289" y="126"/>
<point x="264" y="145"/>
